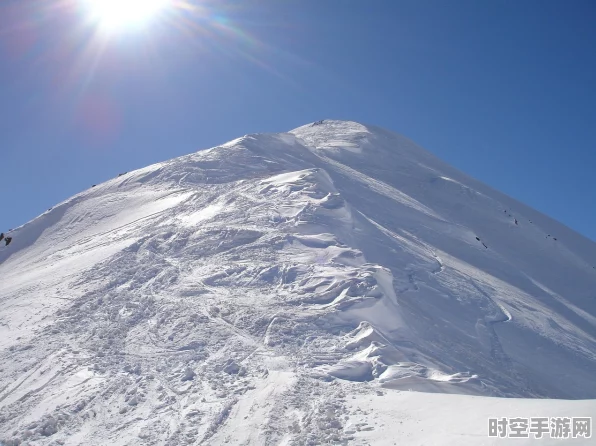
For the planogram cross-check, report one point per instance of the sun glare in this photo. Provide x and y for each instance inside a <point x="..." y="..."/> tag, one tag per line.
<point x="112" y="14"/>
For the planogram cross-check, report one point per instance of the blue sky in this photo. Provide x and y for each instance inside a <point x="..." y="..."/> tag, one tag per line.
<point x="503" y="90"/>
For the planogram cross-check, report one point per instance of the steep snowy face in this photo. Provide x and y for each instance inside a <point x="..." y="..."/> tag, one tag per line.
<point x="481" y="278"/>
<point x="169" y="299"/>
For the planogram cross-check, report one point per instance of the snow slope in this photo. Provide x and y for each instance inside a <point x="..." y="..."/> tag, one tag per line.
<point x="293" y="289"/>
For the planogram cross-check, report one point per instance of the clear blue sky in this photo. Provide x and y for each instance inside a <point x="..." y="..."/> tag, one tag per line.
<point x="504" y="90"/>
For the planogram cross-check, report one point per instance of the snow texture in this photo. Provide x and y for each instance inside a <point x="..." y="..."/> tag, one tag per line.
<point x="336" y="284"/>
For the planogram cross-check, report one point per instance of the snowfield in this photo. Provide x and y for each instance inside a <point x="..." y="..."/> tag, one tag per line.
<point x="336" y="284"/>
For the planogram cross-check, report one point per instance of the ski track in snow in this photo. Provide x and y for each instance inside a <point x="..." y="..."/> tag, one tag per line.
<point x="314" y="287"/>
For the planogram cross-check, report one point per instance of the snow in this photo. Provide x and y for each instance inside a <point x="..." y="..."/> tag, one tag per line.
<point x="428" y="418"/>
<point x="336" y="284"/>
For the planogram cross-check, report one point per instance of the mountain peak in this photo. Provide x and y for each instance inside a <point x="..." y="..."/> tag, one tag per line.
<point x="333" y="135"/>
<point x="242" y="284"/>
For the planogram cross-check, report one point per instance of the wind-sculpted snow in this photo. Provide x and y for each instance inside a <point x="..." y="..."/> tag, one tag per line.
<point x="247" y="293"/>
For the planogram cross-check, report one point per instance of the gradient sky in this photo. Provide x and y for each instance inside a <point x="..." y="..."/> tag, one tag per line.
<point x="504" y="90"/>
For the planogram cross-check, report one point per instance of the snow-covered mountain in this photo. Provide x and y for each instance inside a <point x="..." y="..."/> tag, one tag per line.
<point x="292" y="288"/>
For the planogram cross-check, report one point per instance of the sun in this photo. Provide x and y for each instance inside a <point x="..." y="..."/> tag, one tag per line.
<point x="118" y="14"/>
